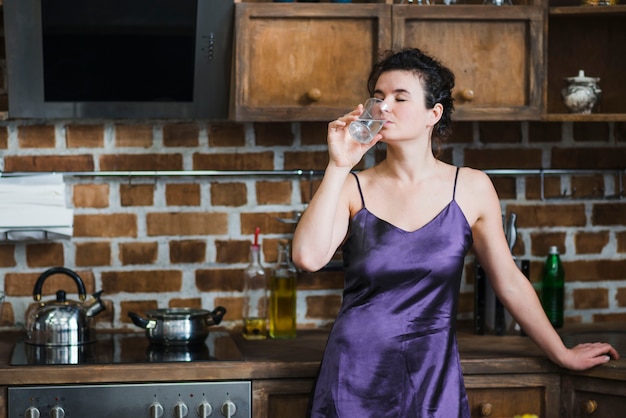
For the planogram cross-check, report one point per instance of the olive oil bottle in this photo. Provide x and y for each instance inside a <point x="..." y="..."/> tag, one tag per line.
<point x="283" y="295"/>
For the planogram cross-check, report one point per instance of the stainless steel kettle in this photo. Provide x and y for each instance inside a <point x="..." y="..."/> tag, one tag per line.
<point x="63" y="322"/>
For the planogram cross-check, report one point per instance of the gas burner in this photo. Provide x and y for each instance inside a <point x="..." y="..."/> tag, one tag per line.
<point x="121" y="348"/>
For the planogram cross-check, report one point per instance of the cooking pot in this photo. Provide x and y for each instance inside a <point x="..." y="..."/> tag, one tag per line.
<point x="63" y="322"/>
<point x="178" y="326"/>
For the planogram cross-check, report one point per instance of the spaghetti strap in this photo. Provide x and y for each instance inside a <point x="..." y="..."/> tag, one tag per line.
<point x="358" y="184"/>
<point x="456" y="176"/>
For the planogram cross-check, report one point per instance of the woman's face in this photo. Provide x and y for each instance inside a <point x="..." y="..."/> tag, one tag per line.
<point x="407" y="115"/>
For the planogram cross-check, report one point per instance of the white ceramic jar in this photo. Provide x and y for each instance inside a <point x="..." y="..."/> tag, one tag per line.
<point x="581" y="93"/>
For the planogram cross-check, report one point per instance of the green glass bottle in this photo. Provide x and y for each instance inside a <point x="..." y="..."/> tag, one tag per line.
<point x="283" y="295"/>
<point x="553" y="288"/>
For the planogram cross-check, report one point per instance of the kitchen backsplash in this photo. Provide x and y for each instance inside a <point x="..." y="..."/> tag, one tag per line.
<point x="164" y="241"/>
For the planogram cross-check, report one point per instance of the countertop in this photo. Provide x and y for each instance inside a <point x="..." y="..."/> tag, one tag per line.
<point x="300" y="357"/>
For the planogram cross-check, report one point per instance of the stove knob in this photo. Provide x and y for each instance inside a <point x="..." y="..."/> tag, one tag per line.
<point x="228" y="409"/>
<point x="57" y="412"/>
<point x="180" y="410"/>
<point x="156" y="410"/>
<point x="32" y="412"/>
<point x="204" y="409"/>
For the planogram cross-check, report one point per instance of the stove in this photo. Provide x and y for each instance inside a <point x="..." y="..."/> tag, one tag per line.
<point x="132" y="400"/>
<point x="120" y="348"/>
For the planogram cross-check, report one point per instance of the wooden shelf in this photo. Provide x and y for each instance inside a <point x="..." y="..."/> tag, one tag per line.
<point x="594" y="117"/>
<point x="587" y="10"/>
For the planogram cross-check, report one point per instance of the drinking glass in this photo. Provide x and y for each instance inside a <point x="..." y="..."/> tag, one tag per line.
<point x="371" y="121"/>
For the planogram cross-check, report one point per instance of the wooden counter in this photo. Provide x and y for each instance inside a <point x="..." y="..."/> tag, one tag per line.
<point x="275" y="359"/>
<point x="508" y="375"/>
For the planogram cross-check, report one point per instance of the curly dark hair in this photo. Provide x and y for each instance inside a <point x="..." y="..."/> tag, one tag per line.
<point x="437" y="81"/>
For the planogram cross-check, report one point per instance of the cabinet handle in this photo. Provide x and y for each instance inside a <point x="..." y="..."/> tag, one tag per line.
<point x="486" y="409"/>
<point x="590" y="406"/>
<point x="314" y="94"/>
<point x="467" y="95"/>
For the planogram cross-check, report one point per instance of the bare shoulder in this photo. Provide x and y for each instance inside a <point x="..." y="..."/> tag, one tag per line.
<point x="475" y="194"/>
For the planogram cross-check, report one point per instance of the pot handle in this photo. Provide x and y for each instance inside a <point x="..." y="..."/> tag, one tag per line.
<point x="82" y="293"/>
<point x="141" y="322"/>
<point x="216" y="316"/>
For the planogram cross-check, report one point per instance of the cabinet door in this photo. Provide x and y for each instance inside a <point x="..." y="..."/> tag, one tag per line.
<point x="305" y="61"/>
<point x="496" y="54"/>
<point x="510" y="395"/>
<point x="591" y="397"/>
<point x="281" y="398"/>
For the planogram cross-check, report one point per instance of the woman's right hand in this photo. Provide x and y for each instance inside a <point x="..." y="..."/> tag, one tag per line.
<point x="343" y="150"/>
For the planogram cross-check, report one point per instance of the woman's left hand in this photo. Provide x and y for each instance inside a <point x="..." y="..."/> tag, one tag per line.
<point x="587" y="355"/>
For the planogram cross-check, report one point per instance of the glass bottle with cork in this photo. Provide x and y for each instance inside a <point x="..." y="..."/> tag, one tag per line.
<point x="553" y="287"/>
<point x="283" y="295"/>
<point x="255" y="295"/>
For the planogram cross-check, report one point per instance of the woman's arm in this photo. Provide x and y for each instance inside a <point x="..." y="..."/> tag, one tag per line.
<point x="514" y="289"/>
<point x="324" y="223"/>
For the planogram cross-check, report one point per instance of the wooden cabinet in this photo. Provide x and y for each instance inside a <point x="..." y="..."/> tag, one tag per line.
<point x="591" y="39"/>
<point x="593" y="397"/>
<point x="496" y="54"/>
<point x="513" y="394"/>
<point x="283" y="398"/>
<point x="305" y="62"/>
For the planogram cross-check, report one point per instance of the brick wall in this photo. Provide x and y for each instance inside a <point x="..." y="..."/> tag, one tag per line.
<point x="183" y="241"/>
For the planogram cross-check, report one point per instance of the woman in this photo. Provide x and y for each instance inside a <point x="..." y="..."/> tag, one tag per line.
<point x="408" y="223"/>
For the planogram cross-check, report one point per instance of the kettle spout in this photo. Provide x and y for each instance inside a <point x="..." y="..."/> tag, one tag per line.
<point x="94" y="305"/>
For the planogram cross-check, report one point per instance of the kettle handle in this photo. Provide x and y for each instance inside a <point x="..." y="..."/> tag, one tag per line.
<point x="82" y="293"/>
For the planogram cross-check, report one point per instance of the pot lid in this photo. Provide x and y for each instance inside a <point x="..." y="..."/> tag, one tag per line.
<point x="581" y="78"/>
<point x="177" y="313"/>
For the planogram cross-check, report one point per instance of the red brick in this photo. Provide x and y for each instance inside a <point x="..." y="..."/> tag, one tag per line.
<point x="23" y="284"/>
<point x="180" y="135"/>
<point x="462" y="133"/>
<point x="306" y="160"/>
<point x="271" y="134"/>
<point x="4" y="138"/>
<point x="621" y="296"/>
<point x="138" y="307"/>
<point x="591" y="131"/>
<point x="323" y="306"/>
<point x="133" y="136"/>
<point x="187" y="251"/>
<point x="585" y="187"/>
<point x="44" y="255"/>
<point x="553" y="215"/>
<point x="93" y="254"/>
<point x="233" y="306"/>
<point x="138" y="252"/>
<point x="591" y="242"/>
<point x="137" y="194"/>
<point x="321" y="280"/>
<point x="273" y="192"/>
<point x="588" y="158"/>
<point x="551" y="187"/>
<point x="236" y="161"/>
<point x="506" y="187"/>
<point x="141" y="162"/>
<point x="608" y="214"/>
<point x="91" y="195"/>
<point x="621" y="241"/>
<point x="500" y="132"/>
<point x="195" y="303"/>
<point x="517" y="158"/>
<point x="229" y="194"/>
<point x="591" y="298"/>
<point x="141" y="281"/>
<point x="544" y="132"/>
<point x="232" y="252"/>
<point x="182" y="194"/>
<point x="36" y="136"/>
<point x="186" y="223"/>
<point x="268" y="222"/>
<point x="49" y="163"/>
<point x="227" y="135"/>
<point x="7" y="255"/>
<point x="114" y="225"/>
<point x="594" y="270"/>
<point x="85" y="136"/>
<point x="216" y="280"/>
<point x="314" y="133"/>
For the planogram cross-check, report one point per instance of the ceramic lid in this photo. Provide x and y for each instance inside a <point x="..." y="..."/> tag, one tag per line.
<point x="581" y="78"/>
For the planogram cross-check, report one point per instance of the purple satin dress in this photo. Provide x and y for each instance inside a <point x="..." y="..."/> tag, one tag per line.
<point x="392" y="351"/>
